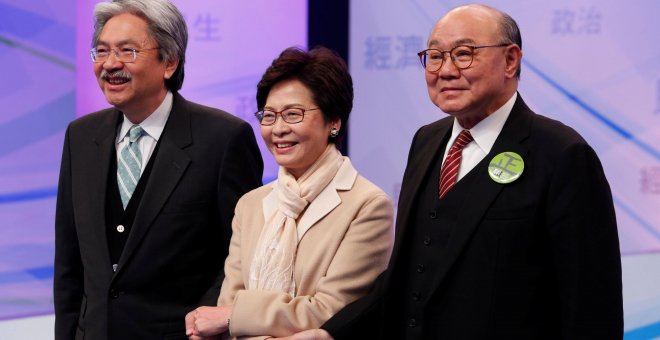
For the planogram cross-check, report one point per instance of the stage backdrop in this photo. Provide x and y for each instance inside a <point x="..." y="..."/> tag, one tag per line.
<point x="594" y="65"/>
<point x="48" y="81"/>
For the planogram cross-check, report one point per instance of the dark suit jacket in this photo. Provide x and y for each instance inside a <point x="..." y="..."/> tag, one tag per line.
<point x="537" y="258"/>
<point x="173" y="258"/>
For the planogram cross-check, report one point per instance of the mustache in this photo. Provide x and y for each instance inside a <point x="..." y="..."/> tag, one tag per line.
<point x="121" y="74"/>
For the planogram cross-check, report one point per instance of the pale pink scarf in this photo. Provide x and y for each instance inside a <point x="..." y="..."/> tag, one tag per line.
<point x="274" y="257"/>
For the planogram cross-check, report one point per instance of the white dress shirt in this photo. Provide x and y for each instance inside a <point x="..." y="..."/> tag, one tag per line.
<point x="484" y="133"/>
<point x="153" y="127"/>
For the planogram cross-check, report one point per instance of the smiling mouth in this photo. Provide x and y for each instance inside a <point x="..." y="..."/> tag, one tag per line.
<point x="116" y="77"/>
<point x="284" y="145"/>
<point x="116" y="80"/>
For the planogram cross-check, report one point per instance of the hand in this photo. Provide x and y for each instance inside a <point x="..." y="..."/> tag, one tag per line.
<point x="207" y="321"/>
<point x="215" y="337"/>
<point x="310" y="334"/>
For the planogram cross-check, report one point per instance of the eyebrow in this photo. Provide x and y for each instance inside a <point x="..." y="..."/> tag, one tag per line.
<point x="288" y="106"/>
<point x="120" y="43"/>
<point x="435" y="42"/>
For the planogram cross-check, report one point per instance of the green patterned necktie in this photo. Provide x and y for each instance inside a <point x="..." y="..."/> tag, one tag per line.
<point x="129" y="166"/>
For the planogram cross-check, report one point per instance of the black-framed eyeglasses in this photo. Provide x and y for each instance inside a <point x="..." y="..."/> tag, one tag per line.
<point x="290" y="115"/>
<point x="461" y="55"/>
<point x="125" y="55"/>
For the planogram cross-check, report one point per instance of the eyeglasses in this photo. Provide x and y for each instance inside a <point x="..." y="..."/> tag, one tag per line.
<point x="125" y="55"/>
<point x="291" y="115"/>
<point x="461" y="55"/>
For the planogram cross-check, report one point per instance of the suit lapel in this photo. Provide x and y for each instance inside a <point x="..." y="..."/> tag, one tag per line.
<point x="484" y="191"/>
<point x="97" y="181"/>
<point x="418" y="167"/>
<point x="92" y="180"/>
<point x="269" y="203"/>
<point x="169" y="166"/>
<point x="323" y="204"/>
<point x="328" y="199"/>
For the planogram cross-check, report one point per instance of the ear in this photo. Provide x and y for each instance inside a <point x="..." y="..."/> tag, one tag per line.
<point x="335" y="123"/>
<point x="513" y="59"/>
<point x="170" y="68"/>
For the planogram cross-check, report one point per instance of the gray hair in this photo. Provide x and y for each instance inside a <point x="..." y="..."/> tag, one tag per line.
<point x="165" y="23"/>
<point x="510" y="33"/>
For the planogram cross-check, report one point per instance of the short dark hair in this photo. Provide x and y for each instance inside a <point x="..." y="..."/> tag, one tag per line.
<point x="166" y="26"/>
<point x="323" y="72"/>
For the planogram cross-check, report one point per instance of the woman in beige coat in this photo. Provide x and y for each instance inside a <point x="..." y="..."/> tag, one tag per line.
<point x="313" y="240"/>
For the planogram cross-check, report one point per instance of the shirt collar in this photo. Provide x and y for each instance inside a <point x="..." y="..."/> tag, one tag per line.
<point x="155" y="122"/>
<point x="486" y="131"/>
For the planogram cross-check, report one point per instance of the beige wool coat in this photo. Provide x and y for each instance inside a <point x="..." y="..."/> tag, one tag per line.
<point x="345" y="240"/>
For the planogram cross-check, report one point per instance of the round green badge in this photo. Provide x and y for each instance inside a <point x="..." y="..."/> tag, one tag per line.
<point x="506" y="167"/>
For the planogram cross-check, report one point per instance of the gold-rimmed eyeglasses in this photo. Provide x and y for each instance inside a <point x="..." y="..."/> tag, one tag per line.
<point x="461" y="55"/>
<point x="125" y="55"/>
<point x="290" y="115"/>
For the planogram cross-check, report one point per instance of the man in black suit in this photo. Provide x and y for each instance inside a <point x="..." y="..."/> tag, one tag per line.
<point x="147" y="188"/>
<point x="524" y="244"/>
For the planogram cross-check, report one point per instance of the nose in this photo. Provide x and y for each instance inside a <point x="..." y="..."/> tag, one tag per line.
<point x="112" y="63"/>
<point x="280" y="127"/>
<point x="448" y="69"/>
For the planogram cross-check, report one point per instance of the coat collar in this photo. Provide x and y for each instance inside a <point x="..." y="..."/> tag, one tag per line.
<point x="324" y="203"/>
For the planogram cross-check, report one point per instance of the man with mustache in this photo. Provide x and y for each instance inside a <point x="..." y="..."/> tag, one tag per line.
<point x="147" y="188"/>
<point x="505" y="226"/>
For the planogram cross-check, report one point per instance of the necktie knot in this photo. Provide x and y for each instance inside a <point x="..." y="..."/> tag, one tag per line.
<point x="134" y="133"/>
<point x="462" y="140"/>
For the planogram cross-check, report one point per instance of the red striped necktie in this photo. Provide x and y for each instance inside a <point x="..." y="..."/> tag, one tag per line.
<point x="452" y="164"/>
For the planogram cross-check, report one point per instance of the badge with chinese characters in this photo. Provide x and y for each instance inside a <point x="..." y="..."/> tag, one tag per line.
<point x="506" y="167"/>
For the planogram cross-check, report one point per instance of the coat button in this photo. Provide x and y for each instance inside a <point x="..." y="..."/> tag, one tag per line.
<point x="114" y="294"/>
<point x="420" y="268"/>
<point x="427" y="240"/>
<point x="432" y="215"/>
<point x="120" y="228"/>
<point x="415" y="296"/>
<point x="412" y="322"/>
